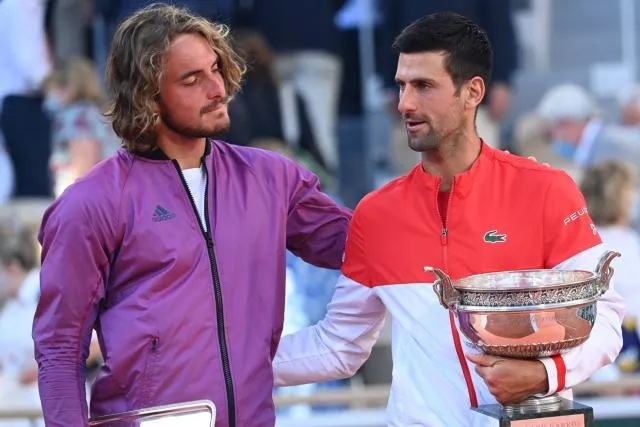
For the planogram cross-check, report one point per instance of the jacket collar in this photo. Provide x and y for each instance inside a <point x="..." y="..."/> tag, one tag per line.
<point x="462" y="183"/>
<point x="157" y="153"/>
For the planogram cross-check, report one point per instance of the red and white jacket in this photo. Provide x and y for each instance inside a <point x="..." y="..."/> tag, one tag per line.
<point x="504" y="213"/>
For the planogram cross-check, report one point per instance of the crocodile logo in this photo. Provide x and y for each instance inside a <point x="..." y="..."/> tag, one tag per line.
<point x="493" y="237"/>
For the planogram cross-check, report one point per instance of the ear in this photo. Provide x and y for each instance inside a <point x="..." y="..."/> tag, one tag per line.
<point x="474" y="92"/>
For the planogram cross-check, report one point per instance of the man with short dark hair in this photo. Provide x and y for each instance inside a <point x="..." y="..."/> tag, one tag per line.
<point x="466" y="209"/>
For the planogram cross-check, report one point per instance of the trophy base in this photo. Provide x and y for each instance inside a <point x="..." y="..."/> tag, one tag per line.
<point x="550" y="411"/>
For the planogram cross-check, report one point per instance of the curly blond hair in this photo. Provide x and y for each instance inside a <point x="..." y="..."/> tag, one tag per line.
<point x="136" y="61"/>
<point x="603" y="186"/>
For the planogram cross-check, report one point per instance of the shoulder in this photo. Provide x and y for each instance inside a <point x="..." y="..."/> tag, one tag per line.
<point x="531" y="175"/>
<point x="253" y="158"/>
<point x="265" y="166"/>
<point x="100" y="190"/>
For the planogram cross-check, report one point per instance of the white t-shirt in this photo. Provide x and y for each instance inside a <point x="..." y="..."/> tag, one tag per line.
<point x="197" y="184"/>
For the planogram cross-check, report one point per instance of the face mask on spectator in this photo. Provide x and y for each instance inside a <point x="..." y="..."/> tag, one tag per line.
<point x="52" y="104"/>
<point x="564" y="149"/>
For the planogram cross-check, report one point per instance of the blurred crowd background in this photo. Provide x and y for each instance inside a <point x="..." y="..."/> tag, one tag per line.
<point x="320" y="89"/>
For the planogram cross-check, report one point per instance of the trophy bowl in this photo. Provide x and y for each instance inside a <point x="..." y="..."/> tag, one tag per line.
<point x="526" y="314"/>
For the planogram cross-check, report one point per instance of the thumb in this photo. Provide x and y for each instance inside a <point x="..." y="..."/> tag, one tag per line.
<point x="482" y="359"/>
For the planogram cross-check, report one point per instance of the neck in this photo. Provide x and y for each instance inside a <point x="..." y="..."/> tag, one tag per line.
<point x="454" y="155"/>
<point x="187" y="151"/>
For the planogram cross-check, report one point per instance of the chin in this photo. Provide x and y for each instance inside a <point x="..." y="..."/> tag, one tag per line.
<point x="421" y="145"/>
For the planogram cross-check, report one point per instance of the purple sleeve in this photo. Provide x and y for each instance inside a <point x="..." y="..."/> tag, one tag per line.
<point x="316" y="225"/>
<point x="75" y="261"/>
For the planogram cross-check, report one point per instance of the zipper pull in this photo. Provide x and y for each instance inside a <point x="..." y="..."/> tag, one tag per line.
<point x="443" y="236"/>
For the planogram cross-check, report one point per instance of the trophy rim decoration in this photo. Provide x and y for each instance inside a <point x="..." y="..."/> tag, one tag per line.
<point x="580" y="288"/>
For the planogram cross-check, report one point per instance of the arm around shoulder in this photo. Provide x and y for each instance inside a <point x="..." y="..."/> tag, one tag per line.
<point x="337" y="346"/>
<point x="316" y="225"/>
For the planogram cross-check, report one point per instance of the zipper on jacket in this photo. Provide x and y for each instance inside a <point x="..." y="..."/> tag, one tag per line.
<point x="444" y="240"/>
<point x="222" y="340"/>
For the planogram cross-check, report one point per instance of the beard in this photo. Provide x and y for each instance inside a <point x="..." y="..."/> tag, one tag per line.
<point x="426" y="142"/>
<point x="215" y="130"/>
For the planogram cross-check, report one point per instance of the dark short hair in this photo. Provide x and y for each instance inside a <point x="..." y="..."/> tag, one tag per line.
<point x="466" y="45"/>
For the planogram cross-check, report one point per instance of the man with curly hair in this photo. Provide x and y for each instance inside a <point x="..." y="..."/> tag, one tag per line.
<point x="174" y="248"/>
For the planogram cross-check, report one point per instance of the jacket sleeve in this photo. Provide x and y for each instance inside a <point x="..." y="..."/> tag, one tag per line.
<point x="573" y="243"/>
<point x="337" y="346"/>
<point x="316" y="225"/>
<point x="75" y="242"/>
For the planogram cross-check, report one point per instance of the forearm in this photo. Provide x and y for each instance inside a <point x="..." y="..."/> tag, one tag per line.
<point x="605" y="339"/>
<point x="61" y="382"/>
<point x="315" y="355"/>
<point x="337" y="346"/>
<point x="576" y="366"/>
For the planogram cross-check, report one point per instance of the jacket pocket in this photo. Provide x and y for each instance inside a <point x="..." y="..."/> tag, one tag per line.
<point x="150" y="373"/>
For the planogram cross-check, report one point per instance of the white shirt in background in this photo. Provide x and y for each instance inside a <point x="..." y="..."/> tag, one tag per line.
<point x="24" y="57"/>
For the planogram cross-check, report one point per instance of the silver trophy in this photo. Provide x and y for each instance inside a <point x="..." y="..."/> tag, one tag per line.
<point x="528" y="314"/>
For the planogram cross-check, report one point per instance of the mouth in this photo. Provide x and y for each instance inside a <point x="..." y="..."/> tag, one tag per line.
<point x="214" y="106"/>
<point x="414" y="125"/>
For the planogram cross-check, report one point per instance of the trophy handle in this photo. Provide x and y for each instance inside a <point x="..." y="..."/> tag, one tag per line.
<point x="448" y="295"/>
<point x="604" y="271"/>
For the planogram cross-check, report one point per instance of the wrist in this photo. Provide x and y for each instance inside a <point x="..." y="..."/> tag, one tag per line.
<point x="543" y="384"/>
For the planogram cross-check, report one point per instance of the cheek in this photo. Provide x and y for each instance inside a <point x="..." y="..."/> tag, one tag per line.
<point x="181" y="108"/>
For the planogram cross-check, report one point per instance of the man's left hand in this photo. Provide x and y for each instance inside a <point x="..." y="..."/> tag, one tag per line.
<point x="511" y="380"/>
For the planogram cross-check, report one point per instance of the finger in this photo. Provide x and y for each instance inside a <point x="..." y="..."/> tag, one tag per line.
<point x="483" y="371"/>
<point x="532" y="158"/>
<point x="481" y="359"/>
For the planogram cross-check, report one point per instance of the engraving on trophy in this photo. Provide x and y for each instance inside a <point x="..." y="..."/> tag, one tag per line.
<point x="562" y="421"/>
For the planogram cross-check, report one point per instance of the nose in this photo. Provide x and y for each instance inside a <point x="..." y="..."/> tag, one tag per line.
<point x="406" y="101"/>
<point x="216" y="88"/>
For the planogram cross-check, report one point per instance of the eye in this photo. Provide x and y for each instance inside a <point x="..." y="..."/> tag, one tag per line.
<point x="191" y="81"/>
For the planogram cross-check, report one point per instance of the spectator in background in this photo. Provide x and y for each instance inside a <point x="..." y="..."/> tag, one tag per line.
<point x="579" y="134"/>
<point x="70" y="21"/>
<point x="306" y="64"/>
<point x="20" y="283"/>
<point x="629" y="104"/>
<point x="24" y="62"/>
<point x="612" y="200"/>
<point x="256" y="112"/>
<point x="81" y="136"/>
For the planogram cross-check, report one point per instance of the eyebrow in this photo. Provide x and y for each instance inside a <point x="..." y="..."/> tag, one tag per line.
<point x="416" y="80"/>
<point x="194" y="72"/>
